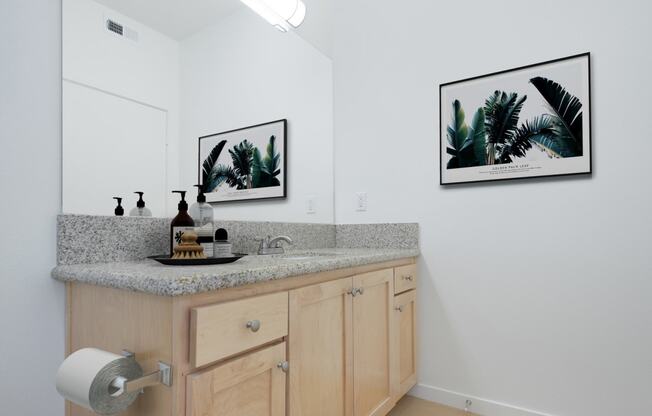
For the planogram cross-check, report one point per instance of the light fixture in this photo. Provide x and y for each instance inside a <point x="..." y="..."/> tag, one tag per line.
<point x="280" y="13"/>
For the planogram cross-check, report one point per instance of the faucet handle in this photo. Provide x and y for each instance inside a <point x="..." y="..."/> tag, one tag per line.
<point x="264" y="241"/>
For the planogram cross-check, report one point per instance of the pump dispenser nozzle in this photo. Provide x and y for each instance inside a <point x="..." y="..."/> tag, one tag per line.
<point x="183" y="205"/>
<point x="119" y="211"/>
<point x="140" y="203"/>
<point x="201" y="198"/>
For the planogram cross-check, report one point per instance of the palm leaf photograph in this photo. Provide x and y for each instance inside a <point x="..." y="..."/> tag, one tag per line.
<point x="532" y="121"/>
<point x="244" y="164"/>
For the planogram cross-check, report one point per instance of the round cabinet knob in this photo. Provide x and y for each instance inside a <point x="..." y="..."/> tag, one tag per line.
<point x="254" y="325"/>
<point x="399" y="308"/>
<point x="408" y="277"/>
<point x="283" y="366"/>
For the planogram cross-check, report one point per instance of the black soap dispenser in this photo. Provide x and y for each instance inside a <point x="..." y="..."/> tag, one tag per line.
<point x="181" y="223"/>
<point x="119" y="211"/>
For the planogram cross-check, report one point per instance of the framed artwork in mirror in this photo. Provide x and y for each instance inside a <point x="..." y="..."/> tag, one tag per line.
<point x="528" y="122"/>
<point x="245" y="164"/>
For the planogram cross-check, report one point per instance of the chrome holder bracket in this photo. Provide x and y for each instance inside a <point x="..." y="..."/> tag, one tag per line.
<point x="162" y="376"/>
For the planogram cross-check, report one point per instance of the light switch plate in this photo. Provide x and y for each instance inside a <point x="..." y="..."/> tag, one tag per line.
<point x="311" y="205"/>
<point x="361" y="201"/>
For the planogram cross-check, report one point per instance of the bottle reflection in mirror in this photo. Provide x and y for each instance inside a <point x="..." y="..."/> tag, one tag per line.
<point x="140" y="210"/>
<point x="118" y="211"/>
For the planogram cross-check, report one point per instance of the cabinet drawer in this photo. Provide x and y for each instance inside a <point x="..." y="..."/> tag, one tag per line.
<point x="219" y="331"/>
<point x="405" y="278"/>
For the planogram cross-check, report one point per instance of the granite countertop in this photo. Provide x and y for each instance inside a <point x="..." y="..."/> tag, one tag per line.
<point x="148" y="276"/>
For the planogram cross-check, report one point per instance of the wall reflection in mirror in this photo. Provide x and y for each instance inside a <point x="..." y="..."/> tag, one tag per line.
<point x="143" y="81"/>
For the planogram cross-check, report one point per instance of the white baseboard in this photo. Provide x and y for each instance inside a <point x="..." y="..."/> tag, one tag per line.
<point x="480" y="406"/>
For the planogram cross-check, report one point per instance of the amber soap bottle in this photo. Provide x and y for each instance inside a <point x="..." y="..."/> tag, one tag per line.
<point x="181" y="223"/>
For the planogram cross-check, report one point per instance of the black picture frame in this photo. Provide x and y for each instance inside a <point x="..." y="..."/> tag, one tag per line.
<point x="284" y="162"/>
<point x="586" y="113"/>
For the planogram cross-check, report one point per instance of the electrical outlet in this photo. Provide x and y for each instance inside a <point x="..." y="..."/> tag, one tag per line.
<point x="467" y="405"/>
<point x="361" y="201"/>
<point x="311" y="205"/>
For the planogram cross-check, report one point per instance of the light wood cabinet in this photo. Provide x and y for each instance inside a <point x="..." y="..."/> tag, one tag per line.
<point x="349" y="351"/>
<point x="321" y="350"/>
<point x="373" y="332"/>
<point x="253" y="385"/>
<point x="406" y="341"/>
<point x="341" y="347"/>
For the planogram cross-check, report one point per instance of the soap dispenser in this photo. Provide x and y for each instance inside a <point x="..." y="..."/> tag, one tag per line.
<point x="202" y="214"/>
<point x="118" y="211"/>
<point x="140" y="210"/>
<point x="181" y="223"/>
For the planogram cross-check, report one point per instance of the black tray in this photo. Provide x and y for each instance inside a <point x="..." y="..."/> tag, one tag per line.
<point x="165" y="259"/>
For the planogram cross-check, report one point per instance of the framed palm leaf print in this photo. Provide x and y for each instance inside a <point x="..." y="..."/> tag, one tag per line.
<point x="527" y="122"/>
<point x="244" y="164"/>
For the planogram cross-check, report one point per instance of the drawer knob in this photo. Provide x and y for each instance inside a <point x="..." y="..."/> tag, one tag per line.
<point x="254" y="325"/>
<point x="399" y="308"/>
<point x="408" y="277"/>
<point x="283" y="366"/>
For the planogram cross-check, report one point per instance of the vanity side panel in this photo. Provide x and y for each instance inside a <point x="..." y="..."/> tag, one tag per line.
<point x="116" y="319"/>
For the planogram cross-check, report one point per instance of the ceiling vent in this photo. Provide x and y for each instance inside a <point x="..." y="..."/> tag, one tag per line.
<point x="121" y="30"/>
<point x="115" y="27"/>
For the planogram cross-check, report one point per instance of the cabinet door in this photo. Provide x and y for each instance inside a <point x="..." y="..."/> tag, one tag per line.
<point x="373" y="343"/>
<point x="252" y="385"/>
<point x="320" y="350"/>
<point x="405" y="321"/>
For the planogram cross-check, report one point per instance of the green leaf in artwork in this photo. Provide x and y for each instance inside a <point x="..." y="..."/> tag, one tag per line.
<point x="466" y="144"/>
<point x="266" y="169"/>
<point x="242" y="158"/>
<point x="543" y="132"/>
<point x="209" y="179"/>
<point x="502" y="111"/>
<point x="566" y="117"/>
<point x="478" y="136"/>
<point x="457" y="131"/>
<point x="521" y="141"/>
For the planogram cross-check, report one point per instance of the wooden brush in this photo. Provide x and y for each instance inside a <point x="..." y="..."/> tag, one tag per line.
<point x="188" y="248"/>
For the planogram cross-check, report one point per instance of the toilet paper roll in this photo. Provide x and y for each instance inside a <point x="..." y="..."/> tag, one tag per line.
<point x="85" y="378"/>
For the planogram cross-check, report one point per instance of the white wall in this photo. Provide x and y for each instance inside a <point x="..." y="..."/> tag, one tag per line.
<point x="534" y="293"/>
<point x="31" y="303"/>
<point x="119" y="76"/>
<point x="242" y="72"/>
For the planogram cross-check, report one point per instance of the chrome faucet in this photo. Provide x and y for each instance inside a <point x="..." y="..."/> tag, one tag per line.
<point x="269" y="245"/>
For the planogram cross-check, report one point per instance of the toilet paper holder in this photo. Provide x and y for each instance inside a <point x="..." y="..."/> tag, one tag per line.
<point x="121" y="385"/>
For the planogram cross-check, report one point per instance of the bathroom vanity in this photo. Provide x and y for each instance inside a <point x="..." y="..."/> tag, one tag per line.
<point x="326" y="331"/>
<point x="339" y="342"/>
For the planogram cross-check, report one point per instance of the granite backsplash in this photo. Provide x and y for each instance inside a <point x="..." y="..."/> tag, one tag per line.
<point x="102" y="239"/>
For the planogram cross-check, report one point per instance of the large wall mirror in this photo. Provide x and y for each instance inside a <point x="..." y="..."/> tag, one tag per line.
<point x="144" y="80"/>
